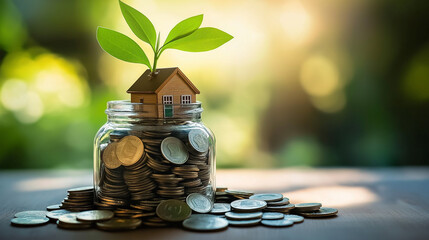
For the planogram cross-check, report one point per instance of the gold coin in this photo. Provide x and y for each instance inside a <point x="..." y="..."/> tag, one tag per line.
<point x="129" y="150"/>
<point x="173" y="210"/>
<point x="109" y="157"/>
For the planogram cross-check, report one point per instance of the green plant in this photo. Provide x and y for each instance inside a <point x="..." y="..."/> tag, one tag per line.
<point x="186" y="36"/>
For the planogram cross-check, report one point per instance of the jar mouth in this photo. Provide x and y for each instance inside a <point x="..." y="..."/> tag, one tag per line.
<point x="125" y="108"/>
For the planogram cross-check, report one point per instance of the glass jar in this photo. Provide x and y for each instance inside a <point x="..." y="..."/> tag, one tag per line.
<point x="140" y="160"/>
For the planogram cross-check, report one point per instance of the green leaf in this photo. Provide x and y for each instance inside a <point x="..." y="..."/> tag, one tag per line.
<point x="203" y="39"/>
<point x="184" y="28"/>
<point x="121" y="46"/>
<point x="141" y="26"/>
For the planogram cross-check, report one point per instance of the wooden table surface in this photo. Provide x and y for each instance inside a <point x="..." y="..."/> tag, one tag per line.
<point x="386" y="203"/>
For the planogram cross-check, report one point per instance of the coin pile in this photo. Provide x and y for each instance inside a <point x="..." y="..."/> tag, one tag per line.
<point x="268" y="209"/>
<point x="78" y="199"/>
<point x="138" y="171"/>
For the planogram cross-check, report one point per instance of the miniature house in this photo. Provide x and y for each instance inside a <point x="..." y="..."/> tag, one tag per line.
<point x="165" y="90"/>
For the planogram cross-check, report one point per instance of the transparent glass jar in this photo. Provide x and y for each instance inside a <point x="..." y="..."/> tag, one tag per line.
<point x="177" y="156"/>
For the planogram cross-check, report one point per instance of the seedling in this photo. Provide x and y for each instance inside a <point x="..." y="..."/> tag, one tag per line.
<point x="186" y="36"/>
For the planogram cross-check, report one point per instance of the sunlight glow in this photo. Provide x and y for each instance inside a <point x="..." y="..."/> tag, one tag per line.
<point x="296" y="21"/>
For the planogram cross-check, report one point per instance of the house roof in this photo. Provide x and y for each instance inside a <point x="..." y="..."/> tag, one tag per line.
<point x="153" y="84"/>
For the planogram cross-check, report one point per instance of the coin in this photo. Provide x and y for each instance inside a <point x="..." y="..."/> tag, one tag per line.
<point x="129" y="150"/>
<point x="95" y="215"/>
<point x="174" y="150"/>
<point x="29" y="221"/>
<point x="199" y="140"/>
<point x="284" y="201"/>
<point x="53" y="207"/>
<point x="272" y="216"/>
<point x="322" y="212"/>
<point x="70" y="221"/>
<point x="199" y="203"/>
<point x="244" y="223"/>
<point x="267" y="197"/>
<point x="116" y="224"/>
<point x="54" y="215"/>
<point x="243" y="216"/>
<point x="31" y="214"/>
<point x="294" y="218"/>
<point x="220" y="208"/>
<point x="277" y="223"/>
<point x="282" y="208"/>
<point x="307" y="207"/>
<point x="248" y="205"/>
<point x="81" y="189"/>
<point x="109" y="157"/>
<point x="173" y="210"/>
<point x="205" y="223"/>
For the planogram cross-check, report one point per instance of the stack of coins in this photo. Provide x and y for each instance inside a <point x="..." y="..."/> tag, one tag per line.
<point x="79" y="199"/>
<point x="140" y="170"/>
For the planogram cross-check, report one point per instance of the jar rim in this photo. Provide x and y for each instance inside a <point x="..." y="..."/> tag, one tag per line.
<point x="126" y="108"/>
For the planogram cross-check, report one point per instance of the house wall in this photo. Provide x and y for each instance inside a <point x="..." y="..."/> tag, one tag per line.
<point x="148" y="98"/>
<point x="177" y="87"/>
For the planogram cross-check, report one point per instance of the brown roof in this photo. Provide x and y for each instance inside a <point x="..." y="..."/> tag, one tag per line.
<point x="148" y="84"/>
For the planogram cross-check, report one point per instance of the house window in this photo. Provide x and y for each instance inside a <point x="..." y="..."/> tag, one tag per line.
<point x="185" y="99"/>
<point x="167" y="100"/>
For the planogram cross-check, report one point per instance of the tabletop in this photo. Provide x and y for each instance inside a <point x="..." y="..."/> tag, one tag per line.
<point x="374" y="203"/>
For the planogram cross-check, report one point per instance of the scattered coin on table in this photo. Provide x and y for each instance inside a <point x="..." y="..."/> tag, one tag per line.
<point x="220" y="208"/>
<point x="29" y="221"/>
<point x="199" y="203"/>
<point x="243" y="215"/>
<point x="95" y="215"/>
<point x="307" y="207"/>
<point x="54" y="215"/>
<point x="267" y="197"/>
<point x="272" y="216"/>
<point x="205" y="223"/>
<point x="294" y="218"/>
<point x="277" y="223"/>
<point x="244" y="223"/>
<point x="69" y="221"/>
<point x="284" y="201"/>
<point x="29" y="214"/>
<point x="322" y="212"/>
<point x="248" y="205"/>
<point x="53" y="207"/>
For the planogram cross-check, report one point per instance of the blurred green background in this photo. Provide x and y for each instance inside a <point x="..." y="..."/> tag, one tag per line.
<point x="309" y="83"/>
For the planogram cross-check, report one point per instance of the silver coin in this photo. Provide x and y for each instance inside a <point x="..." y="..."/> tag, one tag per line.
<point x="199" y="203"/>
<point x="282" y="208"/>
<point x="294" y="218"/>
<point x="54" y="215"/>
<point x="307" y="207"/>
<point x="219" y="208"/>
<point x="272" y="216"/>
<point x="205" y="223"/>
<point x="29" y="221"/>
<point x="53" y="207"/>
<point x="248" y="205"/>
<point x="95" y="215"/>
<point x="267" y="197"/>
<point x="284" y="201"/>
<point x="243" y="215"/>
<point x="31" y="214"/>
<point x="174" y="150"/>
<point x="244" y="223"/>
<point x="322" y="212"/>
<point x="70" y="219"/>
<point x="277" y="223"/>
<point x="199" y="140"/>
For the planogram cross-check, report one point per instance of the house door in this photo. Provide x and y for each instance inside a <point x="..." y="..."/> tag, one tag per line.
<point x="167" y="100"/>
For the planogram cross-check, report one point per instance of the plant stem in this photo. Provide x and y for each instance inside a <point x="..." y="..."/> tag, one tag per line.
<point x="155" y="53"/>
